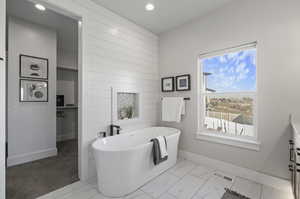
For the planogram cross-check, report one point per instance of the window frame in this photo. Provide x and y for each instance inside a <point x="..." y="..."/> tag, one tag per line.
<point x="248" y="142"/>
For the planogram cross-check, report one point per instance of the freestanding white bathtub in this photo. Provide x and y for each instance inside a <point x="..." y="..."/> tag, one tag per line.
<point x="125" y="162"/>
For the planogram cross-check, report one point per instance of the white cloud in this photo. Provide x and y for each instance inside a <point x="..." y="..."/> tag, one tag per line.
<point x="242" y="75"/>
<point x="221" y="81"/>
<point x="232" y="69"/>
<point x="223" y="69"/>
<point x="240" y="67"/>
<point x="226" y="78"/>
<point x="232" y="55"/>
<point x="253" y="60"/>
<point x="242" y="71"/>
<point x="243" y="55"/>
<point x="248" y="53"/>
<point x="222" y="59"/>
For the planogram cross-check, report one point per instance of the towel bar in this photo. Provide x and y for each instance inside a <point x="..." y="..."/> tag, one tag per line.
<point x="186" y="98"/>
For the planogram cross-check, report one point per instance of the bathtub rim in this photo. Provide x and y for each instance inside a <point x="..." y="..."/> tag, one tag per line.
<point x="142" y="145"/>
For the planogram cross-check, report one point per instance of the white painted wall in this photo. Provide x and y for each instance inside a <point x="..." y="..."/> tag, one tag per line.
<point x="275" y="24"/>
<point x="116" y="53"/>
<point x="31" y="125"/>
<point x="2" y="98"/>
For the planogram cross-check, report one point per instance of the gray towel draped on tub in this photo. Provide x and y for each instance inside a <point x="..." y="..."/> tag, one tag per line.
<point x="157" y="159"/>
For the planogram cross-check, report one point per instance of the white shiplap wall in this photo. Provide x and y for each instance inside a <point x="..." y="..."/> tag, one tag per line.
<point x="116" y="53"/>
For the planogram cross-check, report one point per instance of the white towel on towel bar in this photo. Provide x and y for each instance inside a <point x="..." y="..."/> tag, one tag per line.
<point x="172" y="109"/>
<point x="163" y="146"/>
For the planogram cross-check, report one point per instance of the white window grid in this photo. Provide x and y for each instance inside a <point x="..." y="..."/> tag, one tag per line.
<point x="202" y="94"/>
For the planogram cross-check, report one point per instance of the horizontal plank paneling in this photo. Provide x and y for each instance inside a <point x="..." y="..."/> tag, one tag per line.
<point x="126" y="58"/>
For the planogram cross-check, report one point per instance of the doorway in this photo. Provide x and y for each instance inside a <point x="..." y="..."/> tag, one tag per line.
<point x="42" y="100"/>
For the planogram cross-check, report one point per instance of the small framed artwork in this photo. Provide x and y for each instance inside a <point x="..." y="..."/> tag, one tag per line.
<point x="183" y="83"/>
<point x="33" y="91"/>
<point x="33" y="67"/>
<point x="167" y="84"/>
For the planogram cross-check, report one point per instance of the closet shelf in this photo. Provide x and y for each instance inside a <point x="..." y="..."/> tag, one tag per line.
<point x="66" y="107"/>
<point x="67" y="68"/>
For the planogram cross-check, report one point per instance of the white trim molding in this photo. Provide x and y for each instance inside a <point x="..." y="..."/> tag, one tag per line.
<point x="2" y="96"/>
<point x="248" y="142"/>
<point x="252" y="175"/>
<point x="231" y="141"/>
<point x="29" y="157"/>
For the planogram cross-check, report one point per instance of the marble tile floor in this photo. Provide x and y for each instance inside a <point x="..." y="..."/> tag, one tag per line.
<point x="185" y="180"/>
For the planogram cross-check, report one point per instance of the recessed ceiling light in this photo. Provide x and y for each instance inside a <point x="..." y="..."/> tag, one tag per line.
<point x="149" y="7"/>
<point x="40" y="7"/>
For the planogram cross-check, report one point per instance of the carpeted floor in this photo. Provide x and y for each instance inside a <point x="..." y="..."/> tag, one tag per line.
<point x="30" y="180"/>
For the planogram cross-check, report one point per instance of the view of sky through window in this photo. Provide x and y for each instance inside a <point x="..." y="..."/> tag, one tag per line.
<point x="231" y="72"/>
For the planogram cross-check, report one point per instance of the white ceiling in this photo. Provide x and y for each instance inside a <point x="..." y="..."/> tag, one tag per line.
<point x="66" y="27"/>
<point x="167" y="14"/>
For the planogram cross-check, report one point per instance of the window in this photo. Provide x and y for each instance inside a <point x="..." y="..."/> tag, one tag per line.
<point x="228" y="94"/>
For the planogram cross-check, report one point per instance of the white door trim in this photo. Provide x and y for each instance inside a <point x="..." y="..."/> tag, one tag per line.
<point x="72" y="14"/>
<point x="2" y="97"/>
<point x="55" y="6"/>
<point x="29" y="157"/>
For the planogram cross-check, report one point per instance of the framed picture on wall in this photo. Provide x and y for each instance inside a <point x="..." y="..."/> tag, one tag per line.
<point x="34" y="67"/>
<point x="33" y="91"/>
<point x="167" y="84"/>
<point x="183" y="83"/>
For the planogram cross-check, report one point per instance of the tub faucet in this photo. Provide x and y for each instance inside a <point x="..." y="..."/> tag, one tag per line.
<point x="112" y="126"/>
<point x="101" y="134"/>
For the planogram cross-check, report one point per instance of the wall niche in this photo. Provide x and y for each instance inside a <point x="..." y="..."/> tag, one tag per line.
<point x="127" y="105"/>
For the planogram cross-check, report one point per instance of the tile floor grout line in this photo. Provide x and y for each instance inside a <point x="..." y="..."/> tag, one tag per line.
<point x="92" y="196"/>
<point x="146" y="192"/>
<point x="201" y="186"/>
<point x="261" y="192"/>
<point x="63" y="194"/>
<point x="261" y="185"/>
<point x="166" y="172"/>
<point x="180" y="178"/>
<point x="195" y="166"/>
<point x="86" y="187"/>
<point x="171" y="185"/>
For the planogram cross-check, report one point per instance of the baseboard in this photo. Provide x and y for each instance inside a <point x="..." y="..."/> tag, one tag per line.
<point x="29" y="157"/>
<point x="238" y="171"/>
<point x="65" y="136"/>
